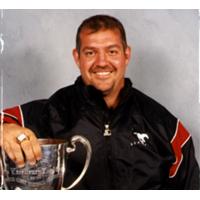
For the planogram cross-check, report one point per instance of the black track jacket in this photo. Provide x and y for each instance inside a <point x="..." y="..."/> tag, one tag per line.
<point x="137" y="145"/>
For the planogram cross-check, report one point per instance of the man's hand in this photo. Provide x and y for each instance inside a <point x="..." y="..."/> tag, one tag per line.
<point x="15" y="149"/>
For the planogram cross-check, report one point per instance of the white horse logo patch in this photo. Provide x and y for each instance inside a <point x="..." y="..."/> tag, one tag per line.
<point x="142" y="137"/>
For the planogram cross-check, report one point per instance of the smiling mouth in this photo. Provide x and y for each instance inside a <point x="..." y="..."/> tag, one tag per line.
<point x="103" y="73"/>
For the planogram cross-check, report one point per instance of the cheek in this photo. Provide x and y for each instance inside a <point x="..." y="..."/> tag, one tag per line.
<point x="86" y="63"/>
<point x="118" y="60"/>
<point x="119" y="63"/>
<point x="85" y="69"/>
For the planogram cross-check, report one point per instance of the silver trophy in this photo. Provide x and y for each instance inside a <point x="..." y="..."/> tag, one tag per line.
<point x="49" y="172"/>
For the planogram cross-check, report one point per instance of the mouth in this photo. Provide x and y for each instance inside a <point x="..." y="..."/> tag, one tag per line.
<point x="103" y="74"/>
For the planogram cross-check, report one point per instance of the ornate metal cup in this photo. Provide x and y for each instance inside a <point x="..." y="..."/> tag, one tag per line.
<point x="49" y="172"/>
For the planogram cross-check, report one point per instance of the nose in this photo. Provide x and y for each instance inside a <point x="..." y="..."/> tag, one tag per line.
<point x="101" y="59"/>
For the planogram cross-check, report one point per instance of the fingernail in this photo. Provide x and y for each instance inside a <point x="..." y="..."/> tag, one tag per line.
<point x="20" y="166"/>
<point x="32" y="163"/>
<point x="39" y="158"/>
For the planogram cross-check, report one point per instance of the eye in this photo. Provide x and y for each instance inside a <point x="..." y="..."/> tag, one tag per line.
<point x="89" y="53"/>
<point x="113" y="52"/>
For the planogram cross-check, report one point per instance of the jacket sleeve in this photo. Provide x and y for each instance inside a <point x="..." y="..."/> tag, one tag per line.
<point x="31" y="115"/>
<point x="184" y="172"/>
<point x="13" y="115"/>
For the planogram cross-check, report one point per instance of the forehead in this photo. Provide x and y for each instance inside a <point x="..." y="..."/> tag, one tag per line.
<point x="100" y="37"/>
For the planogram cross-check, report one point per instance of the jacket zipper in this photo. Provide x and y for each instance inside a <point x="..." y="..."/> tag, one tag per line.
<point x="107" y="130"/>
<point x="108" y="152"/>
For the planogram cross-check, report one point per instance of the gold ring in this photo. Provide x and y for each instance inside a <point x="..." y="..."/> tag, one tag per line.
<point x="21" y="137"/>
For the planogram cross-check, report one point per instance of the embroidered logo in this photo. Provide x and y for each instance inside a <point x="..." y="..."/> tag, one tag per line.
<point x="141" y="138"/>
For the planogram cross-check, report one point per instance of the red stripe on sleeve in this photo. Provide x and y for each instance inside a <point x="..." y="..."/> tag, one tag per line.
<point x="13" y="115"/>
<point x="180" y="138"/>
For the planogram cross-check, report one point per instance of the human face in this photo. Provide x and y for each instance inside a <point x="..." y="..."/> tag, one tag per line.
<point x="102" y="60"/>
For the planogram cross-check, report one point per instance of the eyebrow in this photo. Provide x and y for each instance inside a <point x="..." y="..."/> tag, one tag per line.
<point x="114" y="46"/>
<point x="88" y="48"/>
<point x="108" y="47"/>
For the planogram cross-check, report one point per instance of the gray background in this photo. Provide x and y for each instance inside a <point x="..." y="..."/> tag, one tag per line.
<point x="37" y="59"/>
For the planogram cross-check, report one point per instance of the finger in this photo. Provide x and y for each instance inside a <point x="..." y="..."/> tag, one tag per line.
<point x="8" y="151"/>
<point x="17" y="151"/>
<point x="28" y="151"/>
<point x="36" y="148"/>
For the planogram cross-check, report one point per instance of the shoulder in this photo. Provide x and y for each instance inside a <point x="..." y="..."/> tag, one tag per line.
<point x="63" y="94"/>
<point x="64" y="91"/>
<point x="68" y="93"/>
<point x="59" y="94"/>
<point x="142" y="103"/>
<point x="153" y="112"/>
<point x="149" y="106"/>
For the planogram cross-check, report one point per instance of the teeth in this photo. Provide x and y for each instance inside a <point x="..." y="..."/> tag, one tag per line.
<point x="103" y="73"/>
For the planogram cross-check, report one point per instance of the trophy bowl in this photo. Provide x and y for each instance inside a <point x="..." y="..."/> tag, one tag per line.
<point x="48" y="173"/>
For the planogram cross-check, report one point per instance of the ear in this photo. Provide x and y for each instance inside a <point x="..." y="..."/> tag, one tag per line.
<point x="76" y="57"/>
<point x="128" y="54"/>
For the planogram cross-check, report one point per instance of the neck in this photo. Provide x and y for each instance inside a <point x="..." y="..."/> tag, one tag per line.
<point x="111" y="102"/>
<point x="112" y="99"/>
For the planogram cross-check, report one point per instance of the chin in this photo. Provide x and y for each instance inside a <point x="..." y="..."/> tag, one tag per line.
<point x="104" y="90"/>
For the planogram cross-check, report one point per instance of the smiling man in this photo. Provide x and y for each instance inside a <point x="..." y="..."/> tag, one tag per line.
<point x="136" y="142"/>
<point x="102" y="57"/>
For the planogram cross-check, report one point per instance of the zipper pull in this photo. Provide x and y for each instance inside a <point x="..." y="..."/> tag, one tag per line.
<point x="107" y="131"/>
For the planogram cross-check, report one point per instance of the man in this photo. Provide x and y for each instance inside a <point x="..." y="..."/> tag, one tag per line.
<point x="136" y="143"/>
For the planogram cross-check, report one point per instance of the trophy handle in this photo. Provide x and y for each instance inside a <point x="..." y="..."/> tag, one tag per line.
<point x="86" y="144"/>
